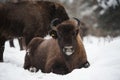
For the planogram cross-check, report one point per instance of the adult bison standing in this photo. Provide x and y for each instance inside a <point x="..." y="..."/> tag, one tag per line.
<point x="27" y="19"/>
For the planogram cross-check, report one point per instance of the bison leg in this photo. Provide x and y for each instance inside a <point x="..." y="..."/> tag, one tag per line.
<point x="49" y="66"/>
<point x="22" y="43"/>
<point x="1" y="53"/>
<point x="33" y="69"/>
<point x="11" y="43"/>
<point x="2" y="42"/>
<point x="86" y="65"/>
<point x="27" y="63"/>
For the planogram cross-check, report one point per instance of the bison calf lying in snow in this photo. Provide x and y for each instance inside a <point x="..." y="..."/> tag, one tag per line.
<point x="60" y="54"/>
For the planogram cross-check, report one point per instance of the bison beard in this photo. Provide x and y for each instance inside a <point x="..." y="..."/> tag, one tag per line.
<point x="28" y="20"/>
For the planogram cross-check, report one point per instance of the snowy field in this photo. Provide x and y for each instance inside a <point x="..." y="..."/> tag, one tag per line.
<point x="103" y="55"/>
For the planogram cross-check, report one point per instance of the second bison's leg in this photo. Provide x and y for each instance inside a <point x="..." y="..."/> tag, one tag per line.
<point x="1" y="53"/>
<point x="22" y="43"/>
<point x="11" y="43"/>
<point x="2" y="42"/>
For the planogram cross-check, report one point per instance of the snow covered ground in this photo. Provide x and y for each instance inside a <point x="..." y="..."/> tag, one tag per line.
<point x="103" y="55"/>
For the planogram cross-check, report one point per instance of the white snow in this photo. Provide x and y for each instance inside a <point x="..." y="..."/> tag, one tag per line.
<point x="103" y="55"/>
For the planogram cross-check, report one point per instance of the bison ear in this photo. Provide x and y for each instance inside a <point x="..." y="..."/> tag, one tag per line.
<point x="53" y="33"/>
<point x="78" y="21"/>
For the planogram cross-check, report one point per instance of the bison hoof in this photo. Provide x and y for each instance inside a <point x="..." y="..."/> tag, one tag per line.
<point x="33" y="69"/>
<point x="86" y="65"/>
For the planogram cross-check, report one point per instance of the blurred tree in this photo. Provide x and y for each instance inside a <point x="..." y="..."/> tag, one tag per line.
<point x="109" y="18"/>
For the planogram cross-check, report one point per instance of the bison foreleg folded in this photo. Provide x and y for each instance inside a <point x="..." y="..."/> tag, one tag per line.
<point x="27" y="62"/>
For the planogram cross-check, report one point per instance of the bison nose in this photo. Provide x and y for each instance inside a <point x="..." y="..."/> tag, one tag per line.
<point x="68" y="50"/>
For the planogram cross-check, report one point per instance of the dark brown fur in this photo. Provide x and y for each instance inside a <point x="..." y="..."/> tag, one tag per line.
<point x="27" y="19"/>
<point x="48" y="55"/>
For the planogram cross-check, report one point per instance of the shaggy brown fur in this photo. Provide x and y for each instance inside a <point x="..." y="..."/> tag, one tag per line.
<point x="27" y="19"/>
<point x="48" y="55"/>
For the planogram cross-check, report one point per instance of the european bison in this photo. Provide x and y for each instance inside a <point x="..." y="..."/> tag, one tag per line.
<point x="60" y="54"/>
<point x="27" y="19"/>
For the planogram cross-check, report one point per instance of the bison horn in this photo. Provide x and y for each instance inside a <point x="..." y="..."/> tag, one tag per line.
<point x="77" y="20"/>
<point x="55" y="22"/>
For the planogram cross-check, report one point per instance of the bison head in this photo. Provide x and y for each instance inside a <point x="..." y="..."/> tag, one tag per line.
<point x="66" y="34"/>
